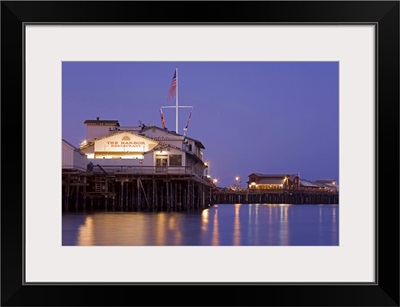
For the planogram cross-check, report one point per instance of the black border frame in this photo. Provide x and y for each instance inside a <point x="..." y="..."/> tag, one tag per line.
<point x="383" y="14"/>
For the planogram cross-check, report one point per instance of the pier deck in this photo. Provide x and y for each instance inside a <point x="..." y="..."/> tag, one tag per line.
<point x="154" y="189"/>
<point x="250" y="196"/>
<point x="165" y="190"/>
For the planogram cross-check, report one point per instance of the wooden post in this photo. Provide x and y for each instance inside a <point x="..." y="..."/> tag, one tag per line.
<point x="121" y="198"/>
<point x="127" y="194"/>
<point x="153" y="201"/>
<point x="184" y="199"/>
<point x="132" y="194"/>
<point x="176" y="196"/>
<point x="180" y="196"/>
<point x="138" y="193"/>
<point x="204" y="198"/>
<point x="77" y="195"/>
<point x="114" y="194"/>
<point x="84" y="191"/>
<point x="188" y="194"/>
<point x="67" y="191"/>
<point x="162" y="197"/>
<point x="193" y="195"/>
<point x="167" y="193"/>
<point x="156" y="192"/>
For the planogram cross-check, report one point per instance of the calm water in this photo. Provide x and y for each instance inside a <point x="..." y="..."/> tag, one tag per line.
<point x="219" y="225"/>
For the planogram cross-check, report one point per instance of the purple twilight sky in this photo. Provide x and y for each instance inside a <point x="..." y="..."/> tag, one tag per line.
<point x="263" y="117"/>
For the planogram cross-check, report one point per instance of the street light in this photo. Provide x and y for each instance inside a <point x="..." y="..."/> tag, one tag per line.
<point x="238" y="179"/>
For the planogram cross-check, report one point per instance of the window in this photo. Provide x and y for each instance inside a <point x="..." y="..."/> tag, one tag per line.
<point x="175" y="160"/>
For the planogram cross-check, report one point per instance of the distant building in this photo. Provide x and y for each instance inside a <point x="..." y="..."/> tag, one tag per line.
<point x="330" y="183"/>
<point x="289" y="182"/>
<point x="273" y="181"/>
<point x="320" y="184"/>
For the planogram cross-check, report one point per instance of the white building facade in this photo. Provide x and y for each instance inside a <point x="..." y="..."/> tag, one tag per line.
<point x="141" y="149"/>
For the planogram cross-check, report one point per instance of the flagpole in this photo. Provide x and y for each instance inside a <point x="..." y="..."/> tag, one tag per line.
<point x="176" y="97"/>
<point x="173" y="91"/>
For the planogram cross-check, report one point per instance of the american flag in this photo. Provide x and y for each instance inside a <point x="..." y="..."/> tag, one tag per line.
<point x="172" y="88"/>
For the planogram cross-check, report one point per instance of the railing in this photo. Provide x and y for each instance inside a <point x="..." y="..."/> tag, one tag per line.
<point x="276" y="191"/>
<point x="143" y="170"/>
<point x="73" y="168"/>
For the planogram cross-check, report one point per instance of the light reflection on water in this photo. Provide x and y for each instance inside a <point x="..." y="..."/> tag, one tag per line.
<point x="219" y="225"/>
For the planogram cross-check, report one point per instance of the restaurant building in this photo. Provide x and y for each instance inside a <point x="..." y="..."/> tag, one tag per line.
<point x="140" y="167"/>
<point x="261" y="181"/>
<point x="150" y="149"/>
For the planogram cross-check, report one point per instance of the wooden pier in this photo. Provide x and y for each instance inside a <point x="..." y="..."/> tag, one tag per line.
<point x="129" y="189"/>
<point x="300" y="196"/>
<point x="155" y="189"/>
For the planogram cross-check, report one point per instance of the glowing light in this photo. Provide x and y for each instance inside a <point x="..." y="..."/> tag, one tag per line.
<point x="215" y="233"/>
<point x="86" y="232"/>
<point x="204" y="220"/>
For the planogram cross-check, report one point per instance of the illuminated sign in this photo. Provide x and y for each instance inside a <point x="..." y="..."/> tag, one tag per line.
<point x="124" y="142"/>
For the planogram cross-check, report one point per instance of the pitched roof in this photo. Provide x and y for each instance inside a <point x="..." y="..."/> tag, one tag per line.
<point x="272" y="175"/>
<point x="165" y="138"/>
<point x="101" y="122"/>
<point x="70" y="145"/>
<point x="116" y="133"/>
<point x="200" y="144"/>
<point x="270" y="181"/>
<point x="328" y="181"/>
<point x="159" y="128"/>
<point x="308" y="183"/>
<point x="161" y="145"/>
